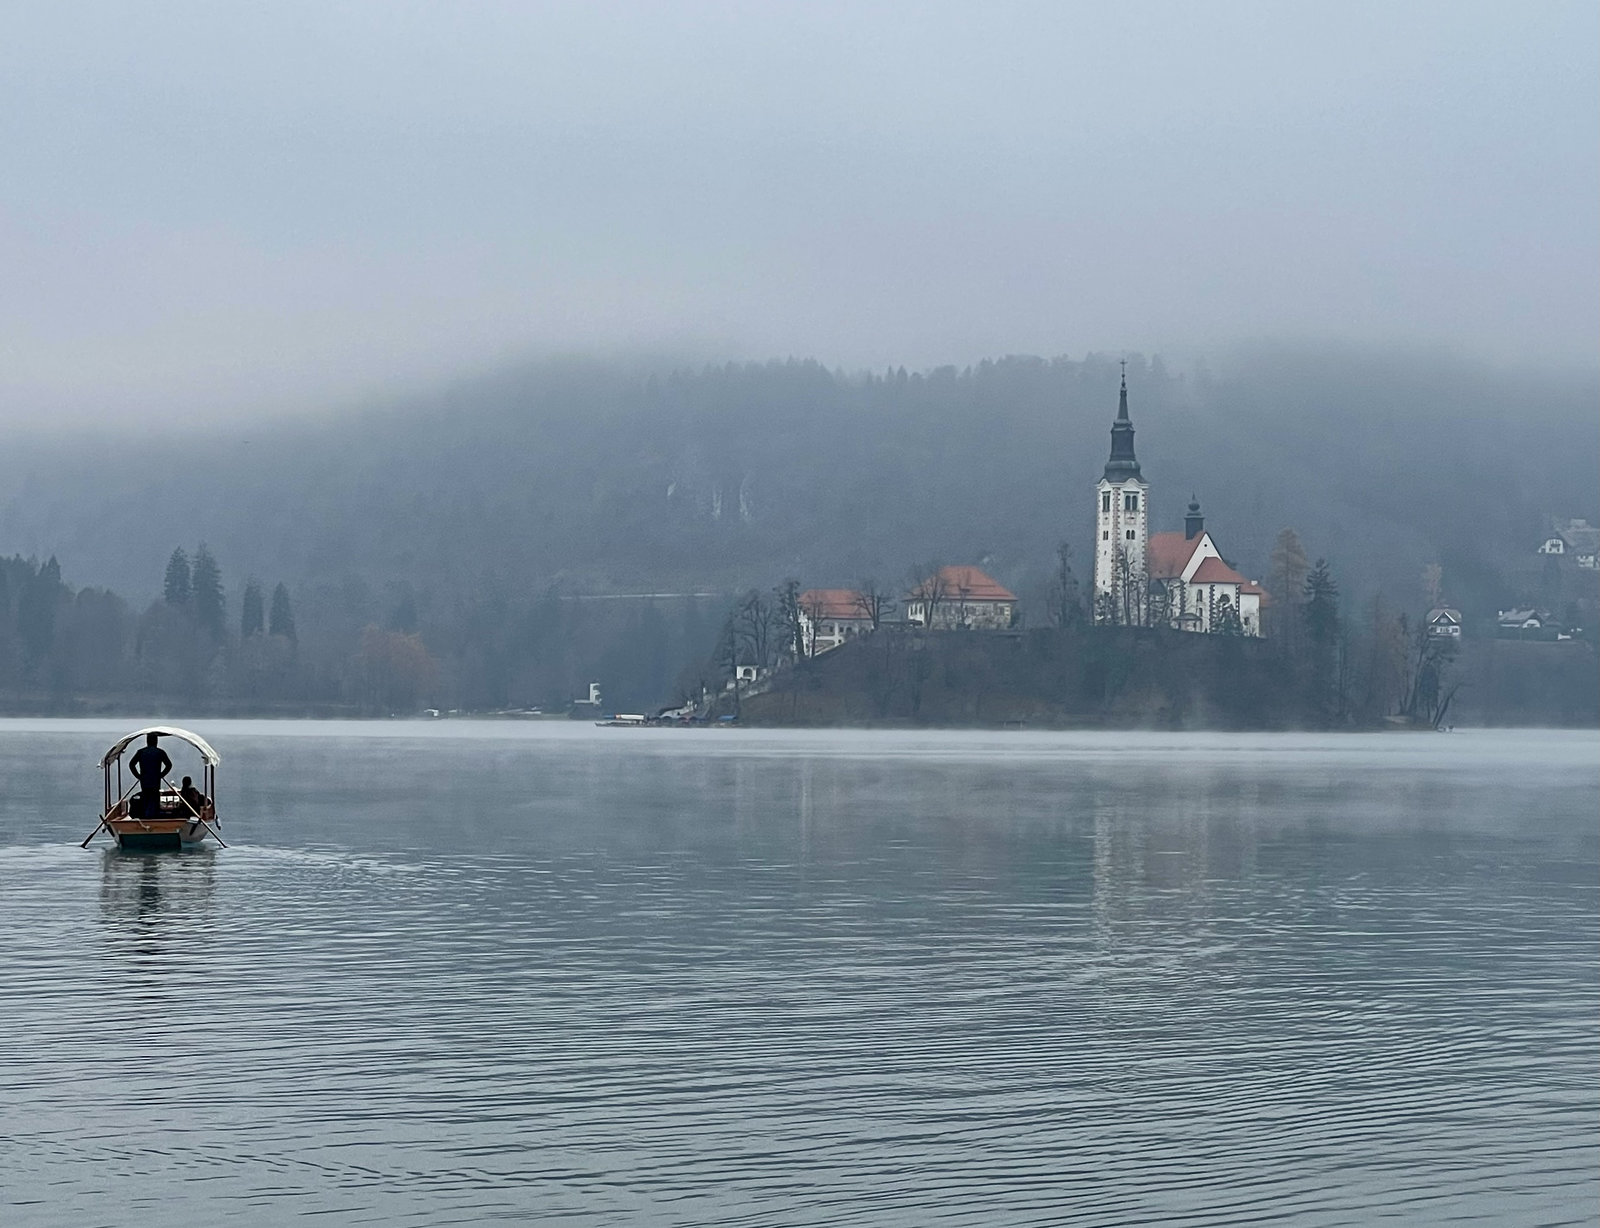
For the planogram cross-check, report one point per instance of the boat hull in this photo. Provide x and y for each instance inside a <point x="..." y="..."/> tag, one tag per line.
<point x="156" y="835"/>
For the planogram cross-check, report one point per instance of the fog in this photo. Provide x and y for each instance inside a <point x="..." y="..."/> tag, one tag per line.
<point x="210" y="212"/>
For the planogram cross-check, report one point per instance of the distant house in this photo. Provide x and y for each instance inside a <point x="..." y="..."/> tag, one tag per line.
<point x="1577" y="540"/>
<point x="830" y="616"/>
<point x="1444" y="623"/>
<point x="960" y="598"/>
<point x="1528" y="624"/>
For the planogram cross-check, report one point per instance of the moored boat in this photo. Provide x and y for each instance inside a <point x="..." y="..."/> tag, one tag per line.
<point x="142" y="809"/>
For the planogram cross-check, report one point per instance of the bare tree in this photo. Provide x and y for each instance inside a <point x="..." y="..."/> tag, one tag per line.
<point x="874" y="602"/>
<point x="1066" y="606"/>
<point x="929" y="588"/>
<point x="1130" y="590"/>
<point x="813" y="609"/>
<point x="1290" y="567"/>
<point x="728" y="655"/>
<point x="756" y="625"/>
<point x="786" y="599"/>
<point x="1158" y="603"/>
<point x="1430" y="688"/>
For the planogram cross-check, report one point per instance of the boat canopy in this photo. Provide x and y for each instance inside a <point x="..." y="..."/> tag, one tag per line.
<point x="166" y="731"/>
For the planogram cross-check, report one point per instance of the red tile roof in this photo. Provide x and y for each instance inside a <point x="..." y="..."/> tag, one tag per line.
<point x="1215" y="571"/>
<point x="962" y="584"/>
<point x="832" y="603"/>
<point x="1167" y="554"/>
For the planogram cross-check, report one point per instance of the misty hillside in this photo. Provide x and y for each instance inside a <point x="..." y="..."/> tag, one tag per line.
<point x="596" y="478"/>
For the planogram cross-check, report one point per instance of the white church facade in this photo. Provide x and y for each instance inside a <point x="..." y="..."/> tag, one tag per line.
<point x="1177" y="580"/>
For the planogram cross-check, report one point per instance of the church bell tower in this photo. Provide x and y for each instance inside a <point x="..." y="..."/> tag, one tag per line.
<point x="1122" y="526"/>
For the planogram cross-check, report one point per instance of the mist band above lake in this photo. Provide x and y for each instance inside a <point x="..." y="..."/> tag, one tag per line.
<point x="465" y="972"/>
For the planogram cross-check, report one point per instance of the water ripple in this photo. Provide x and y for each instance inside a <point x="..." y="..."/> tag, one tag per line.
<point x="1253" y="1000"/>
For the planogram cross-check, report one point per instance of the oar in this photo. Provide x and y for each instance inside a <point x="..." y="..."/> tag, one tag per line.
<point x="212" y="832"/>
<point x="95" y="832"/>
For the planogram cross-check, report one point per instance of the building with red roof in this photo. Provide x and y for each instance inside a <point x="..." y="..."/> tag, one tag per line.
<point x="960" y="598"/>
<point x="830" y="616"/>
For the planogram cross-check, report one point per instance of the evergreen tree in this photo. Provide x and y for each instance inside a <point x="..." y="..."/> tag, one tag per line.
<point x="281" y="619"/>
<point x="36" y="609"/>
<point x="1320" y="616"/>
<point x="1225" y="618"/>
<point x="403" y="618"/>
<point x="252" y="619"/>
<point x="1321" y="612"/>
<point x="205" y="588"/>
<point x="177" y="589"/>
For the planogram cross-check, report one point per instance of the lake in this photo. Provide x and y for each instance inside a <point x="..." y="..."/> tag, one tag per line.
<point x="469" y="972"/>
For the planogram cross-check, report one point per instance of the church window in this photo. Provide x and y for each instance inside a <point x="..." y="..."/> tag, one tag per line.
<point x="1130" y="534"/>
<point x="1105" y="500"/>
<point x="1130" y="502"/>
<point x="1105" y="535"/>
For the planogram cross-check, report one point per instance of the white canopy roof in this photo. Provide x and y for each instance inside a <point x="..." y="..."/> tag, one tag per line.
<point x="166" y="731"/>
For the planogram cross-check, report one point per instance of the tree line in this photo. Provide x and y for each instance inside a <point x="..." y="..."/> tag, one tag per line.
<point x="329" y="649"/>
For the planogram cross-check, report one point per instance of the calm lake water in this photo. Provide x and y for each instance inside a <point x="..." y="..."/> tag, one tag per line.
<point x="467" y="972"/>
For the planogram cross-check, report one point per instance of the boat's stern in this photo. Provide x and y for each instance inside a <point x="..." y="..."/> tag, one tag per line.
<point x="157" y="835"/>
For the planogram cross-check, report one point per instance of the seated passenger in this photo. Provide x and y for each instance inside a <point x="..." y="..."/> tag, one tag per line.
<point x="194" y="801"/>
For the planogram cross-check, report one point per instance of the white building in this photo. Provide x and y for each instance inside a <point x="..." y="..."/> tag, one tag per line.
<point x="1444" y="623"/>
<point x="1177" y="580"/>
<point x="830" y="616"/>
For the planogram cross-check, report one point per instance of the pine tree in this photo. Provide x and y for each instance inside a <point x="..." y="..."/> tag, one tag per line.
<point x="205" y="587"/>
<point x="252" y="619"/>
<point x="1225" y="618"/>
<point x="41" y="595"/>
<point x="177" y="588"/>
<point x="1322" y="605"/>
<point x="281" y="619"/>
<point x="1320" y="616"/>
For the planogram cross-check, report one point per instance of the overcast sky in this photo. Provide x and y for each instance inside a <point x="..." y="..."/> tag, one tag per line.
<point x="229" y="208"/>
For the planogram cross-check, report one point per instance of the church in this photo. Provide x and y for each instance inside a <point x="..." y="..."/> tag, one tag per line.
<point x="1145" y="579"/>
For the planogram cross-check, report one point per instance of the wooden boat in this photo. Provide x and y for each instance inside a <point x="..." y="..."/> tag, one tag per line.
<point x="174" y="821"/>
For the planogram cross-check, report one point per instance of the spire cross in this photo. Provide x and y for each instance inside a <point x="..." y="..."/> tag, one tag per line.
<point x="1124" y="372"/>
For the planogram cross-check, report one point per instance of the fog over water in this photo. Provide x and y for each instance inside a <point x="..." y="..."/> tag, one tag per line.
<point x="211" y="211"/>
<point x="466" y="972"/>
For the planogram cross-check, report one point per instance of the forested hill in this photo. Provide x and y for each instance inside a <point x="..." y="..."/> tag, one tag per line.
<point x="579" y="477"/>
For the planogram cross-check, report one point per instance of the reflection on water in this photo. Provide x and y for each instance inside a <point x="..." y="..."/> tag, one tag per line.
<point x="157" y="896"/>
<point x="813" y="979"/>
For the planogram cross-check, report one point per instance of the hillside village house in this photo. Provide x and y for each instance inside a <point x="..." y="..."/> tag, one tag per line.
<point x="1444" y="623"/>
<point x="1577" y="540"/>
<point x="960" y="599"/>
<point x="830" y="616"/>
<point x="1177" y="580"/>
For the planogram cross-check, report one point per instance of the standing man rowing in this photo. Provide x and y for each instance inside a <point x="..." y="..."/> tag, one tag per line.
<point x="149" y="764"/>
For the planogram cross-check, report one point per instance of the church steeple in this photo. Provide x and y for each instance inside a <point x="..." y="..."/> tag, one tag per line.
<point x="1123" y="464"/>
